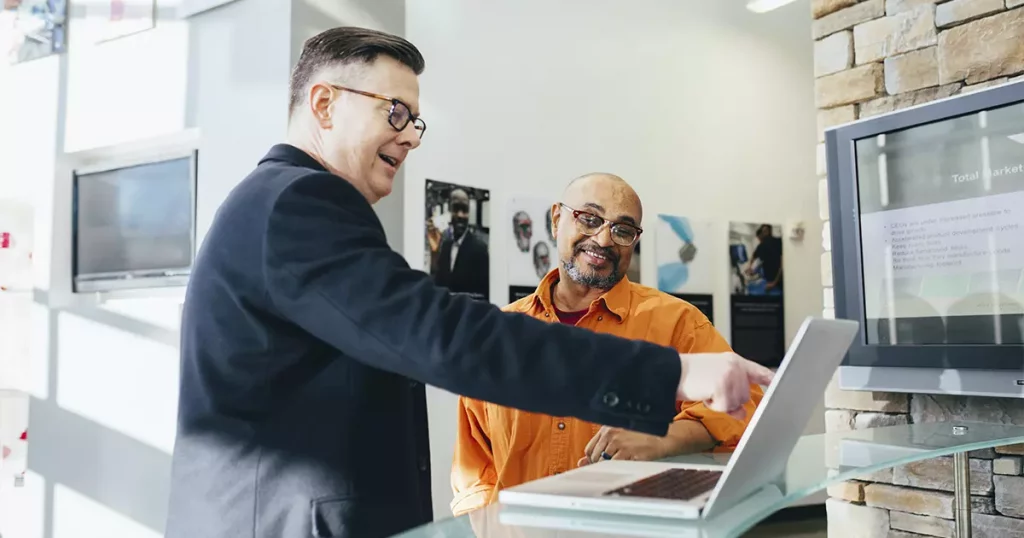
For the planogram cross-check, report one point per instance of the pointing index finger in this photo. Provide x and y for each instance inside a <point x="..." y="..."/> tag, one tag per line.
<point x="759" y="374"/>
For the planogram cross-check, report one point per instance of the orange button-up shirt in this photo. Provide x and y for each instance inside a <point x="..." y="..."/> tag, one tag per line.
<point x="500" y="447"/>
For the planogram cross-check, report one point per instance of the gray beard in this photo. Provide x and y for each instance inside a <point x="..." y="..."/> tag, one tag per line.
<point x="587" y="278"/>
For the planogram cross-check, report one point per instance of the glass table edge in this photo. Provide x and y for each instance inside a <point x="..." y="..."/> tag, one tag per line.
<point x="745" y="522"/>
<point x="852" y="473"/>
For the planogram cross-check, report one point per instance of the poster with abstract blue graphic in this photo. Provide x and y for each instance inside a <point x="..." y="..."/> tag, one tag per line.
<point x="682" y="255"/>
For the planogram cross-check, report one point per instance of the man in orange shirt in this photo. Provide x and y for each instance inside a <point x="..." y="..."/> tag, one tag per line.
<point x="595" y="226"/>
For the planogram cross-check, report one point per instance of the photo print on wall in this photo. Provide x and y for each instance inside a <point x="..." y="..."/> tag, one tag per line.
<point x="685" y="269"/>
<point x="112" y="19"/>
<point x="755" y="259"/>
<point x="531" y="251"/>
<point x="33" y="29"/>
<point x="457" y="237"/>
<point x="757" y="298"/>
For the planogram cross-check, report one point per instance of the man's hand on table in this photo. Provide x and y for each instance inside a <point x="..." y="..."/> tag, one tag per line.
<point x="684" y="437"/>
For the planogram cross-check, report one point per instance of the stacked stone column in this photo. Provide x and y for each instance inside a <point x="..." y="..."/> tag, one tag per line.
<point x="877" y="56"/>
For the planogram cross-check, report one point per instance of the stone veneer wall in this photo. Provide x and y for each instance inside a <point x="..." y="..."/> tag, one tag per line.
<point x="873" y="57"/>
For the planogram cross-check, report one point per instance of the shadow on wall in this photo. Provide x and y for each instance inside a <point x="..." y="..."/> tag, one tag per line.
<point x="115" y="470"/>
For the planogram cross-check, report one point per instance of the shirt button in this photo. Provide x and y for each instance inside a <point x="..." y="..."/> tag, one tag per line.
<point x="561" y="425"/>
<point x="423" y="464"/>
<point x="611" y="399"/>
<point x="414" y="384"/>
<point x="599" y="318"/>
<point x="547" y="315"/>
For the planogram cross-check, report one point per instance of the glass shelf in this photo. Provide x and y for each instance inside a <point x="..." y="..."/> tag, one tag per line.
<point x="817" y="461"/>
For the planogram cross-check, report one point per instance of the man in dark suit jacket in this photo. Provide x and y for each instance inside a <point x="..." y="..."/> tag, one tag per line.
<point x="306" y="340"/>
<point x="461" y="262"/>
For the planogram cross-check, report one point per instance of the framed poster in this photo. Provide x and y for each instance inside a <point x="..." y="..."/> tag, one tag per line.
<point x="530" y="252"/>
<point x="757" y="298"/>
<point x="33" y="29"/>
<point x="684" y="268"/>
<point x="188" y="8"/>
<point x="457" y="237"/>
<point x="125" y="17"/>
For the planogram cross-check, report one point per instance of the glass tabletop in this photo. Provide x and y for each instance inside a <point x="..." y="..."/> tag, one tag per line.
<point x="816" y="462"/>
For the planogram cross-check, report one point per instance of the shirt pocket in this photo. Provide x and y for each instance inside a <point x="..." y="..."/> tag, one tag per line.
<point x="513" y="432"/>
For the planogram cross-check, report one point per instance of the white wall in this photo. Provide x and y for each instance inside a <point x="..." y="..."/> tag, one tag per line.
<point x="28" y="143"/>
<point x="239" y="61"/>
<point x="310" y="17"/>
<point x="691" y="101"/>
<point x="701" y="105"/>
<point x="105" y="376"/>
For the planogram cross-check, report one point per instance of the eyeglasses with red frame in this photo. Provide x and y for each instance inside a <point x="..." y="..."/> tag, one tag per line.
<point x="589" y="224"/>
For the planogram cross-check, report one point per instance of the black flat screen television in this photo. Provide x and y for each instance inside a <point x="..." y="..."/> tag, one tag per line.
<point x="133" y="226"/>
<point x="927" y="209"/>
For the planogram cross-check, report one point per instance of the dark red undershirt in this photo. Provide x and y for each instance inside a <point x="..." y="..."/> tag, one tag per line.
<point x="569" y="318"/>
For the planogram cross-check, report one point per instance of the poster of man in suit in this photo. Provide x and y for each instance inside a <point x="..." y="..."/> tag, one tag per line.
<point x="457" y="237"/>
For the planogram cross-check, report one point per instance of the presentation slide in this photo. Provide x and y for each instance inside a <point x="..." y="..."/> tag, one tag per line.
<point x="944" y="252"/>
<point x="942" y="231"/>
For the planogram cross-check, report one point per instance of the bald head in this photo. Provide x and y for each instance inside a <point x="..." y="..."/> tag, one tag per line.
<point x="458" y="204"/>
<point x="458" y="195"/>
<point x="597" y="187"/>
<point x="603" y="213"/>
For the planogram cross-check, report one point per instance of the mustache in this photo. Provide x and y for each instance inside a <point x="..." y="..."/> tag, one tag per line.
<point x="607" y="252"/>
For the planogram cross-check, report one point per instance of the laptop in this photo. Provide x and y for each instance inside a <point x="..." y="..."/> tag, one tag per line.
<point x="701" y="491"/>
<point x="604" y="524"/>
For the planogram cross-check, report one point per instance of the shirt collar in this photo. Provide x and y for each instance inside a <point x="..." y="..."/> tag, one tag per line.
<point x="615" y="300"/>
<point x="292" y="155"/>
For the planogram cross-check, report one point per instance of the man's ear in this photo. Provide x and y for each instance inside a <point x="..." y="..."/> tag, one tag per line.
<point x="321" y="97"/>
<point x="556" y="215"/>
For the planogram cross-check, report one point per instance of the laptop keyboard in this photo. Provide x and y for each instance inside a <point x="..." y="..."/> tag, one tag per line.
<point x="673" y="484"/>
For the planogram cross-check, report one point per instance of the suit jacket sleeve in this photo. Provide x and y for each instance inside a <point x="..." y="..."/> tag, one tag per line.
<point x="699" y="336"/>
<point x="329" y="270"/>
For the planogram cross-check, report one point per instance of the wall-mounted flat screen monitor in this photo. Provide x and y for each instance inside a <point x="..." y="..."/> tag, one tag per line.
<point x="927" y="212"/>
<point x="134" y="225"/>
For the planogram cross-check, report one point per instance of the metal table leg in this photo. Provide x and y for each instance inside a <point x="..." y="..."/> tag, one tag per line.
<point x="962" y="494"/>
<point x="961" y="489"/>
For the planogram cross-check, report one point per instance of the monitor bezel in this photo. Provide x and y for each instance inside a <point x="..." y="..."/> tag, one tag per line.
<point x="847" y="264"/>
<point x="169" y="277"/>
